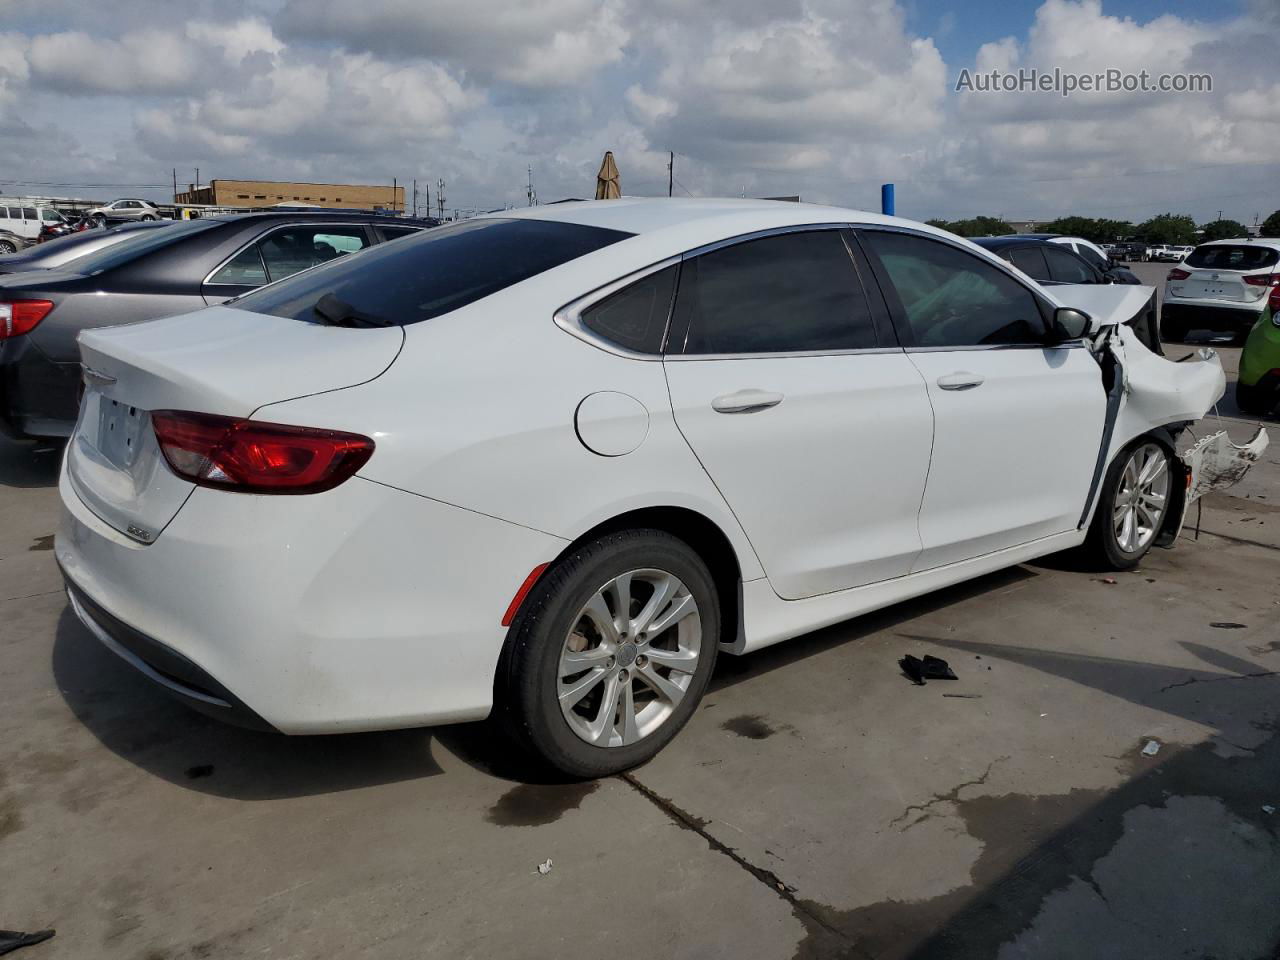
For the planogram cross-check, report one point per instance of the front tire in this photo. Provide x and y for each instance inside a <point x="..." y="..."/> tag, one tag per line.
<point x="610" y="653"/>
<point x="7" y="246"/>
<point x="1132" y="505"/>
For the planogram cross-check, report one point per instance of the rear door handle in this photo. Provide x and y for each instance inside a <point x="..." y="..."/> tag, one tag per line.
<point x="960" y="380"/>
<point x="746" y="401"/>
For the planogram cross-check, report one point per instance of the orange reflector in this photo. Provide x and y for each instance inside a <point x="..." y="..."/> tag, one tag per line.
<point x="523" y="592"/>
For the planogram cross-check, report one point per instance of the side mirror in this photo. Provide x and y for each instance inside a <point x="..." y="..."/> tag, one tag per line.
<point x="1071" y="324"/>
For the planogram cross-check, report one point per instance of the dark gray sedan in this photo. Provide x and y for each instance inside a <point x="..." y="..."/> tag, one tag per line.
<point x="154" y="273"/>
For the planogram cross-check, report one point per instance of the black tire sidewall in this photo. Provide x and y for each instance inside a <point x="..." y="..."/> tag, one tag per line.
<point x="538" y="634"/>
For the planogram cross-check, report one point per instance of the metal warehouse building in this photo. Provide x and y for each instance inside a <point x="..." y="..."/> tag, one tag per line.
<point x="266" y="193"/>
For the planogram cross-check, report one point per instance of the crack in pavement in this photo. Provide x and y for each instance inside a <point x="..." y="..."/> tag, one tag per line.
<point x="1234" y="676"/>
<point x="688" y="821"/>
<point x="951" y="796"/>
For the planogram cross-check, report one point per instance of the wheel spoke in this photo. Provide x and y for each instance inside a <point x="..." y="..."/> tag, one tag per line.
<point x="602" y="617"/>
<point x="1154" y="469"/>
<point x="1126" y="531"/>
<point x="663" y="591"/>
<point x="1148" y="515"/>
<point x="630" y="732"/>
<point x="620" y="592"/>
<point x="572" y="662"/>
<point x="1153" y="498"/>
<point x="571" y="693"/>
<point x="686" y="661"/>
<point x="661" y="685"/>
<point x="677" y="611"/>
<point x="601" y="727"/>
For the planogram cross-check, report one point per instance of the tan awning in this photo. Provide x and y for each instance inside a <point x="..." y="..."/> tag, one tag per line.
<point x="608" y="184"/>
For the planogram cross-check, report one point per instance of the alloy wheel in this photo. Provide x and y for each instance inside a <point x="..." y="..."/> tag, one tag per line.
<point x="629" y="658"/>
<point x="1141" y="499"/>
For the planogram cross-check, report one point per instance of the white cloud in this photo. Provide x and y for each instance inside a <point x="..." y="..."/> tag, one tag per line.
<point x="145" y="61"/>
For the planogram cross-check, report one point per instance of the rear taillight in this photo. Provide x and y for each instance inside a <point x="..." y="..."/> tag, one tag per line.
<point x="252" y="457"/>
<point x="1270" y="280"/>
<point x="1176" y="274"/>
<point x="21" y="316"/>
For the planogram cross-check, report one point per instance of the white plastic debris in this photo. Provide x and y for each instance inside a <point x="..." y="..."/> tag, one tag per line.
<point x="1151" y="749"/>
<point x="545" y="868"/>
<point x="1268" y="808"/>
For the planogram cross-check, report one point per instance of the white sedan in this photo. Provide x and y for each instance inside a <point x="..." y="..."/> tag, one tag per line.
<point x="552" y="462"/>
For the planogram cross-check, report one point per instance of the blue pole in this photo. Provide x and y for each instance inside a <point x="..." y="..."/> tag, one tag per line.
<point x="886" y="199"/>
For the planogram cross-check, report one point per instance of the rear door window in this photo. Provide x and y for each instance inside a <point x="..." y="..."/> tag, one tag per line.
<point x="440" y="270"/>
<point x="1091" y="255"/>
<point x="951" y="298"/>
<point x="294" y="249"/>
<point x="1232" y="257"/>
<point x="30" y="213"/>
<point x="244" y="269"/>
<point x="1065" y="267"/>
<point x="790" y="293"/>
<point x="1030" y="261"/>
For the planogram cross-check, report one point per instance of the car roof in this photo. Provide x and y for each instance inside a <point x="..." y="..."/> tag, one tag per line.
<point x="330" y="215"/>
<point x="1271" y="242"/>
<point x="1013" y="239"/>
<point x="709" y="218"/>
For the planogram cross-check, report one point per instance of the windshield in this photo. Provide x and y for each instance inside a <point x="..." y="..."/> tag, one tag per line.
<point x="1231" y="256"/>
<point x="137" y="244"/>
<point x="439" y="270"/>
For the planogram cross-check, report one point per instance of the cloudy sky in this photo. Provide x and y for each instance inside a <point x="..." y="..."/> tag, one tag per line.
<point x="822" y="98"/>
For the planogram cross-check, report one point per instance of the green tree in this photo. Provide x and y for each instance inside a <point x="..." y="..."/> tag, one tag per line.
<point x="975" y="226"/>
<point x="1174" y="228"/>
<point x="1271" y="225"/>
<point x="1223" y="230"/>
<point x="1097" y="230"/>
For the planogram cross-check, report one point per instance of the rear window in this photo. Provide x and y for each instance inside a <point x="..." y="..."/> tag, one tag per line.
<point x="138" y="243"/>
<point x="1232" y="257"/>
<point x="440" y="270"/>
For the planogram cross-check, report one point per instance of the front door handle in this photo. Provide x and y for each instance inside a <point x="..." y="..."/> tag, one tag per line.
<point x="746" y="401"/>
<point x="960" y="380"/>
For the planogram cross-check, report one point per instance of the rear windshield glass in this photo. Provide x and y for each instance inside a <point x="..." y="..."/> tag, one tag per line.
<point x="1230" y="256"/>
<point x="442" y="269"/>
<point x="138" y="243"/>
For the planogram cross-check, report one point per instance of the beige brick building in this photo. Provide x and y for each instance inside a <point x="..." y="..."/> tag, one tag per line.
<point x="268" y="193"/>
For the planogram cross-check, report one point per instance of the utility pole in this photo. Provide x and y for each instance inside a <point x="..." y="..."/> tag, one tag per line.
<point x="533" y="197"/>
<point x="395" y="192"/>
<point x="197" y="178"/>
<point x="671" y="169"/>
<point x="427" y="190"/>
<point x="415" y="196"/>
<point x="440" y="197"/>
<point x="1219" y="214"/>
<point x="175" y="184"/>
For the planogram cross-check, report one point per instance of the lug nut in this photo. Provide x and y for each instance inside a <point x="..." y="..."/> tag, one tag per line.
<point x="622" y="674"/>
<point x="642" y="661"/>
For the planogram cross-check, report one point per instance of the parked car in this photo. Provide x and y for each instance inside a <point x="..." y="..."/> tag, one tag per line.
<point x="1258" y="382"/>
<point x="1221" y="286"/>
<point x="20" y="224"/>
<point x="1169" y="253"/>
<point x="55" y="253"/>
<point x="153" y="273"/>
<point x="128" y="209"/>
<point x="1133" y="252"/>
<point x="1182" y="253"/>
<point x="504" y="464"/>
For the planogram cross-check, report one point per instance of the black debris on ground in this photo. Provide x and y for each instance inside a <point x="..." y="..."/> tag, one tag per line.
<point x="11" y="940"/>
<point x="930" y="668"/>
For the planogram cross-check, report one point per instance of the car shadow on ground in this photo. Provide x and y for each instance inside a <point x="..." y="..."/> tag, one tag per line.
<point x="30" y="464"/>
<point x="142" y="724"/>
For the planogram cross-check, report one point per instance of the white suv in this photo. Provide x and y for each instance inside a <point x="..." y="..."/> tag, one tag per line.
<point x="126" y="210"/>
<point x="1220" y="286"/>
<point x="20" y="224"/>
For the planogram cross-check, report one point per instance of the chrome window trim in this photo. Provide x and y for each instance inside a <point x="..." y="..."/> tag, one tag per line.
<point x="207" y="282"/>
<point x="569" y="317"/>
<point x="1066" y="344"/>
<point x="791" y="354"/>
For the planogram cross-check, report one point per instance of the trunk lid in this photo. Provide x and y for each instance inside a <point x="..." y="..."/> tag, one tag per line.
<point x="1216" y="285"/>
<point x="220" y="360"/>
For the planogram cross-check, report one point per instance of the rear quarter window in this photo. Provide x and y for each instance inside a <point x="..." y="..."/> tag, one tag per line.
<point x="1233" y="257"/>
<point x="438" y="271"/>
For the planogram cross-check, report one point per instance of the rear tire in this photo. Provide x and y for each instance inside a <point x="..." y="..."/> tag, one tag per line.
<point x="1132" y="505"/>
<point x="7" y="246"/>
<point x="573" y="672"/>
<point x="1251" y="400"/>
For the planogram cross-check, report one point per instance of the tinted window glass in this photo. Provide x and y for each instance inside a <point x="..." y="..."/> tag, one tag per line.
<point x="139" y="242"/>
<point x="244" y="269"/>
<point x="953" y="299"/>
<point x="1091" y="255"/>
<point x="439" y="270"/>
<point x="294" y="249"/>
<point x="1065" y="267"/>
<point x="48" y="213"/>
<point x="1232" y="257"/>
<point x="1029" y="260"/>
<point x="390" y="233"/>
<point x="636" y="316"/>
<point x="781" y="294"/>
<point x="30" y="213"/>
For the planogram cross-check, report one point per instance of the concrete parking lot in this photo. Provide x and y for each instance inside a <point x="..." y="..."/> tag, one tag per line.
<point x="818" y="805"/>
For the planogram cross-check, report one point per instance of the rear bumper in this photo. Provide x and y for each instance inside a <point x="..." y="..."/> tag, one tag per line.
<point x="1199" y="315"/>
<point x="38" y="397"/>
<point x="161" y="664"/>
<point x="361" y="608"/>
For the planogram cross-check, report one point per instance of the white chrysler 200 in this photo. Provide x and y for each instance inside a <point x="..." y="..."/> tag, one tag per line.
<point x="552" y="462"/>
